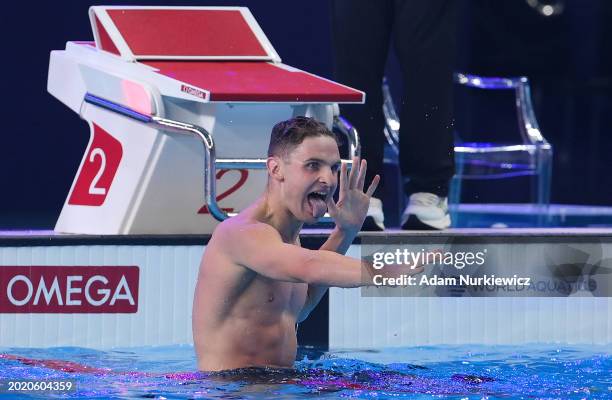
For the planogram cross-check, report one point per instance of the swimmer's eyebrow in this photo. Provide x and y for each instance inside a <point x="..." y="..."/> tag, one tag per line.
<point x="334" y="164"/>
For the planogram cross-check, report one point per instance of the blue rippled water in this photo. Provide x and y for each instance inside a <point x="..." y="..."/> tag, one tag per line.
<point x="461" y="372"/>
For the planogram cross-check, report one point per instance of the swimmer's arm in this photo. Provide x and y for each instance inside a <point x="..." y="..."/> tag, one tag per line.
<point x="339" y="241"/>
<point x="348" y="213"/>
<point x="259" y="247"/>
<point x="314" y="296"/>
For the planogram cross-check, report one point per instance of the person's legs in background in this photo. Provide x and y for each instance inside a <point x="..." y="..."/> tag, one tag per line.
<point x="424" y="36"/>
<point x="361" y="32"/>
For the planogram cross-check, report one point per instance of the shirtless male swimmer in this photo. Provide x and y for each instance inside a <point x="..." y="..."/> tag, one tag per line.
<point x="255" y="281"/>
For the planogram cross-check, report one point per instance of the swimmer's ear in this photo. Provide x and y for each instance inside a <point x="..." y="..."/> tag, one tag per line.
<point x="274" y="168"/>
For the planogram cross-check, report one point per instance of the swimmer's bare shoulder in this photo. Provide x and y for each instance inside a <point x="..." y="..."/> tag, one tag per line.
<point x="259" y="247"/>
<point x="229" y="234"/>
<point x="255" y="245"/>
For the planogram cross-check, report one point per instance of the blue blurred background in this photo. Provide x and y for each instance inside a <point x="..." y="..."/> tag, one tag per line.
<point x="566" y="56"/>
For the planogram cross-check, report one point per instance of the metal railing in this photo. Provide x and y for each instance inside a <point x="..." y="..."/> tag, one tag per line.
<point x="207" y="140"/>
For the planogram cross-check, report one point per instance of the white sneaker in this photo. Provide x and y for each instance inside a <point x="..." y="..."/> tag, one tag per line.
<point x="375" y="219"/>
<point x="426" y="211"/>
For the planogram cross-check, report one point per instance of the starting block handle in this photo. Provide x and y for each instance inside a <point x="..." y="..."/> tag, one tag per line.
<point x="210" y="183"/>
<point x="348" y="130"/>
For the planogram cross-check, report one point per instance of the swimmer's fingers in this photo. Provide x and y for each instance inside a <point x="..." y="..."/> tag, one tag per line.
<point x="352" y="180"/>
<point x="373" y="186"/>
<point x="343" y="181"/>
<point x="413" y="269"/>
<point x="332" y="208"/>
<point x="417" y="270"/>
<point x="363" y="167"/>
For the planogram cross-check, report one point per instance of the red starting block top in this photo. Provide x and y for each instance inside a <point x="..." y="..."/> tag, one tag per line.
<point x="196" y="33"/>
<point x="220" y="50"/>
<point x="257" y="81"/>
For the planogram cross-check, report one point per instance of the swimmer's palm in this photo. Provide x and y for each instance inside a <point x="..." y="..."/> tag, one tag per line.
<point x="352" y="206"/>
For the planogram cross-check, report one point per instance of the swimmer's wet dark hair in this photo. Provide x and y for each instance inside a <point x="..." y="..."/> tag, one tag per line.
<point x="287" y="135"/>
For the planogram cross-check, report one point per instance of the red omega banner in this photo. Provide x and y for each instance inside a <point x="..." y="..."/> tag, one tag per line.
<point x="69" y="289"/>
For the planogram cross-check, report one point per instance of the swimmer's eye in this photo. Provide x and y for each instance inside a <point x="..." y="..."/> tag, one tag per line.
<point x="312" y="165"/>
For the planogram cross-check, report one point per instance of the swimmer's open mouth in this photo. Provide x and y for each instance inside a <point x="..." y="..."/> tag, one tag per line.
<point x="318" y="203"/>
<point x="318" y="195"/>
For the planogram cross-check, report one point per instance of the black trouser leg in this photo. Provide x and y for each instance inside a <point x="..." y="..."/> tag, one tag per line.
<point x="361" y="34"/>
<point x="424" y="36"/>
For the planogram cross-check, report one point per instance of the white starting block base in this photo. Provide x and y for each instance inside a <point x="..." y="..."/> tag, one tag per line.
<point x="168" y="267"/>
<point x="180" y="116"/>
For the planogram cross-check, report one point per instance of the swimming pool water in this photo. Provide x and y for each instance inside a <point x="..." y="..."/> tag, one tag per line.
<point x="461" y="372"/>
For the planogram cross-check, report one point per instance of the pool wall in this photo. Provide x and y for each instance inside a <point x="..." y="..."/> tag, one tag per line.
<point x="154" y="308"/>
<point x="368" y="318"/>
<point x="357" y="322"/>
<point x="167" y="276"/>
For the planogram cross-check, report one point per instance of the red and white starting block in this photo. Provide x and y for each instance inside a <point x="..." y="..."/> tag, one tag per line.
<point x="180" y="102"/>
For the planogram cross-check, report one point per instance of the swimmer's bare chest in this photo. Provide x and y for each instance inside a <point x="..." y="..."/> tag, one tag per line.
<point x="227" y="291"/>
<point x="272" y="299"/>
<point x="240" y="316"/>
<point x="261" y="300"/>
<point x="244" y="318"/>
<point x="245" y="291"/>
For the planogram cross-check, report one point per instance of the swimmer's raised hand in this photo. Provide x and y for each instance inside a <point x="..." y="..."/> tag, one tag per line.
<point x="352" y="206"/>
